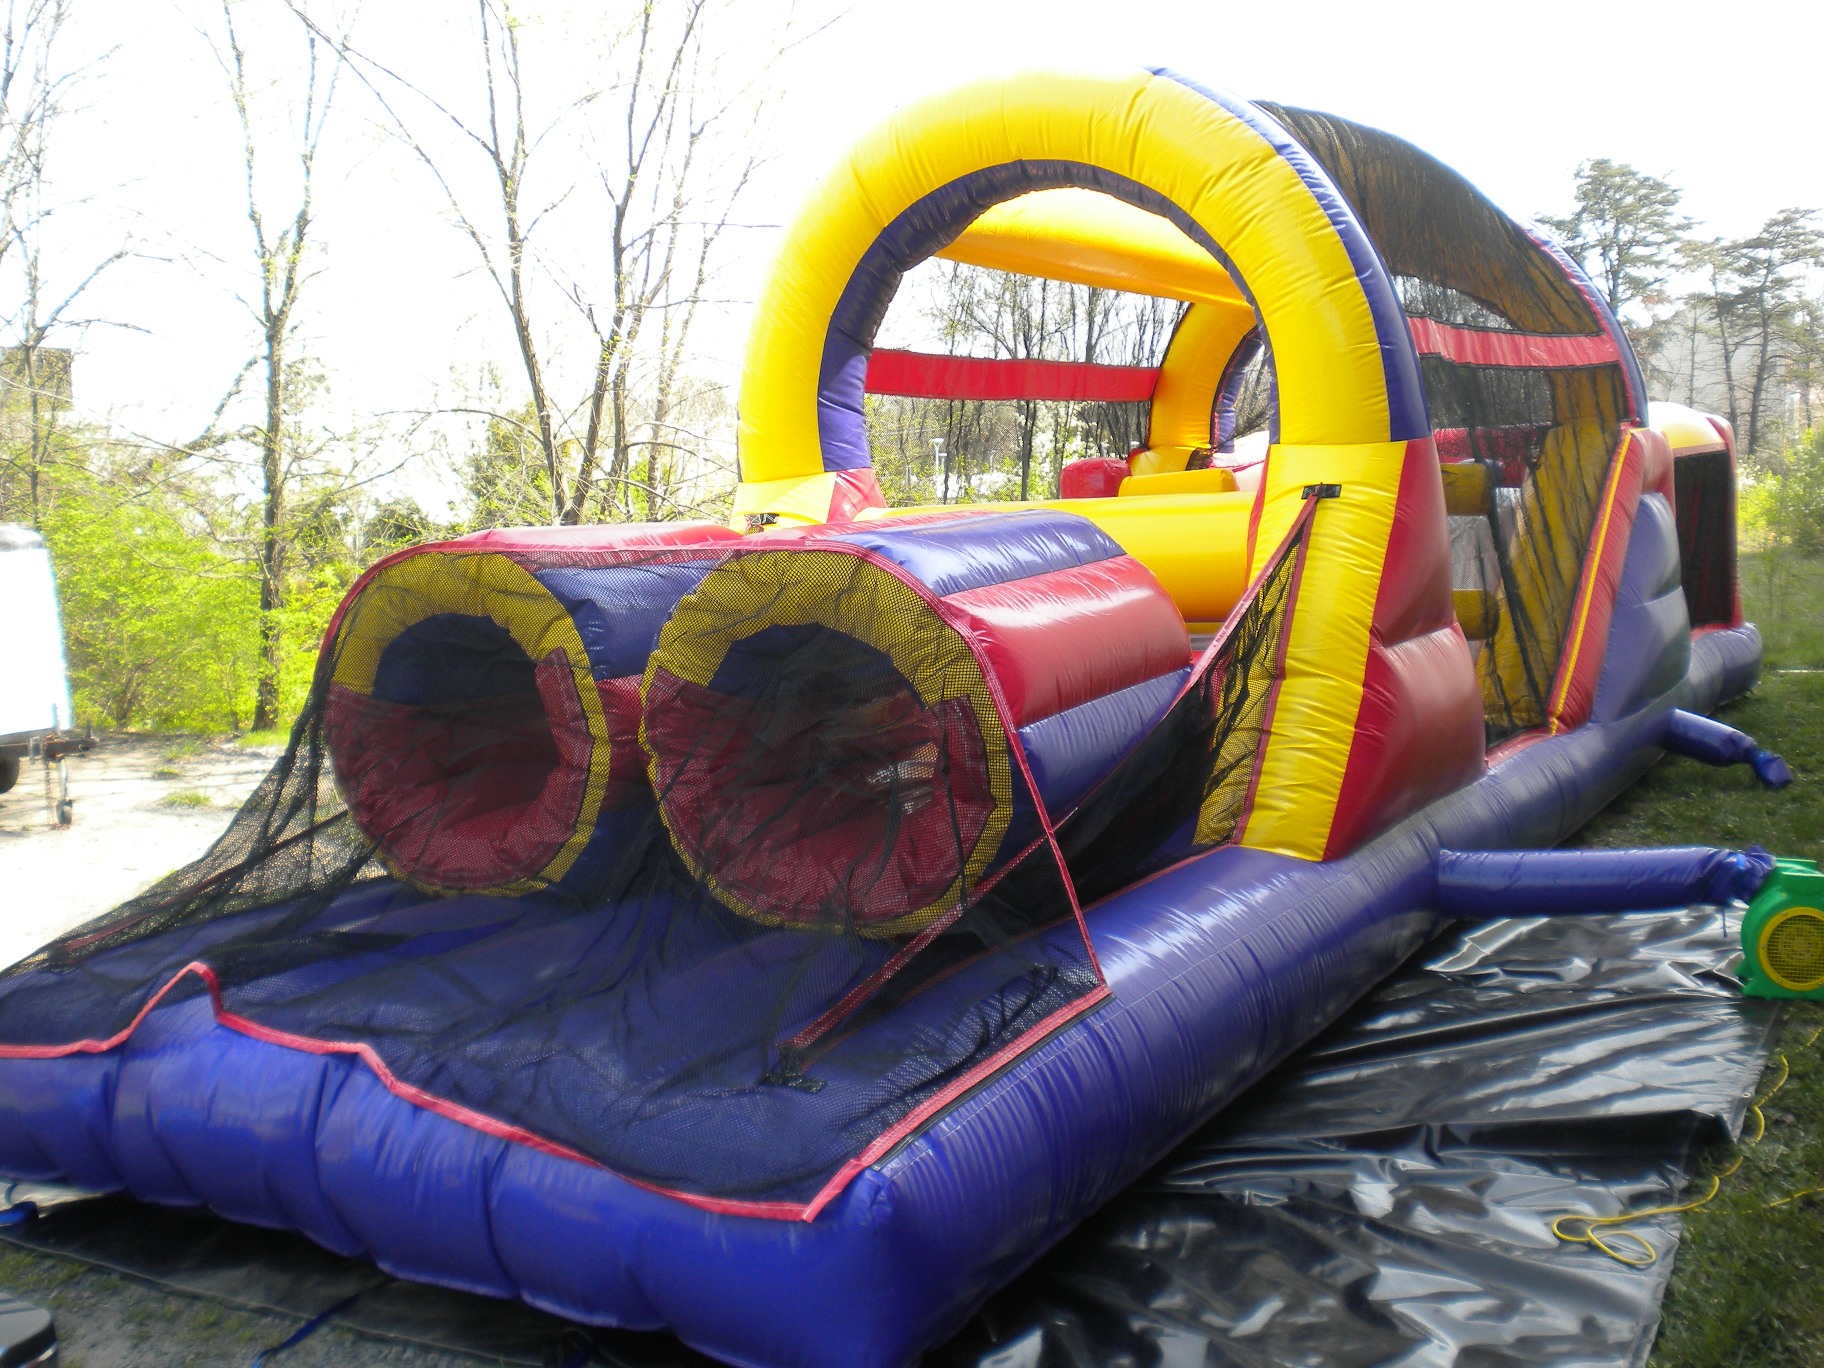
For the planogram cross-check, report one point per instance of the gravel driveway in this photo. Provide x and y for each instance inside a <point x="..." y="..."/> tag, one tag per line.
<point x="144" y="805"/>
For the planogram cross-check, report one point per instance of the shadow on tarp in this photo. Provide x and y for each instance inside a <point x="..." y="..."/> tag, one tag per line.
<point x="1385" y="1198"/>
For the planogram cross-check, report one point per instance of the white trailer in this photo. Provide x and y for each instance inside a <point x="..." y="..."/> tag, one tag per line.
<point x="36" y="720"/>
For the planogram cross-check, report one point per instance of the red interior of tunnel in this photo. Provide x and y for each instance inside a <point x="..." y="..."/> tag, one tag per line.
<point x="816" y="815"/>
<point x="469" y="794"/>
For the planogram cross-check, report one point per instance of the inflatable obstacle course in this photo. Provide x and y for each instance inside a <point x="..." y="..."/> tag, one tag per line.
<point x="782" y="933"/>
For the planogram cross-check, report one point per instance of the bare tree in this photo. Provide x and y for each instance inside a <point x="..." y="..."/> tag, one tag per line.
<point x="281" y="223"/>
<point x="1751" y="304"/>
<point x="1019" y="317"/>
<point x="668" y="188"/>
<point x="663" y="228"/>
<point x="35" y="86"/>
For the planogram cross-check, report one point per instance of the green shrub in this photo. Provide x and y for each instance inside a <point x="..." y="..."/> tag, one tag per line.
<point x="1786" y="506"/>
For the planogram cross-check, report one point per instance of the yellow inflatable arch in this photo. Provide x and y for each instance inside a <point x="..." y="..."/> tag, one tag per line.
<point x="1236" y="218"/>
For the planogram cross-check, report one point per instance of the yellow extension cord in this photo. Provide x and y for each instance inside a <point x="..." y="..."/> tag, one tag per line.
<point x="1592" y="1225"/>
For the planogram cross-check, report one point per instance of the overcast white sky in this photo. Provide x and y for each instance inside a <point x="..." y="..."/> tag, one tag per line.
<point x="1719" y="96"/>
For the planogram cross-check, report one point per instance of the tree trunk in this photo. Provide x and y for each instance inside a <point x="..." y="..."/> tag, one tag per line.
<point x="1029" y="422"/>
<point x="1727" y="350"/>
<point x="272" y="540"/>
<point x="1763" y="362"/>
<point x="1691" y="336"/>
<point x="37" y="452"/>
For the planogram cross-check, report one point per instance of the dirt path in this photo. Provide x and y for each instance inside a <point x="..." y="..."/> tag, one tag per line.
<point x="144" y="805"/>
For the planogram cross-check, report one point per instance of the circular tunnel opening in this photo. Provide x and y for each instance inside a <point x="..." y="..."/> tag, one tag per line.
<point x="467" y="762"/>
<point x="813" y="785"/>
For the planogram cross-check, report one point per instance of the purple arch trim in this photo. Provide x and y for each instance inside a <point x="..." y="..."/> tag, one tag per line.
<point x="920" y="231"/>
<point x="1228" y="391"/>
<point x="1406" y="412"/>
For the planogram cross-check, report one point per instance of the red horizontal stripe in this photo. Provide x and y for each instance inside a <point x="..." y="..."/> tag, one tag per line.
<point x="590" y="537"/>
<point x="1481" y="347"/>
<point x="921" y="375"/>
<point x="1064" y="637"/>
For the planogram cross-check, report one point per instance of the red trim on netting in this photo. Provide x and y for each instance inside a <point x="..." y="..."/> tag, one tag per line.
<point x="1205" y="658"/>
<point x="852" y="999"/>
<point x="1484" y="347"/>
<point x="1255" y="505"/>
<point x="593" y="537"/>
<point x="925" y="375"/>
<point x="935" y="1104"/>
<point x="119" y="1037"/>
<point x="1209" y="654"/>
<point x="519" y="1135"/>
<point x="864" y="990"/>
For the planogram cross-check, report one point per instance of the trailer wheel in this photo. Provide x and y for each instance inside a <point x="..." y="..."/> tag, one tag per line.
<point x="9" y="771"/>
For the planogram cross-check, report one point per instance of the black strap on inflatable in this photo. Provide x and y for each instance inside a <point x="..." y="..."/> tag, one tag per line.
<point x="314" y="1324"/>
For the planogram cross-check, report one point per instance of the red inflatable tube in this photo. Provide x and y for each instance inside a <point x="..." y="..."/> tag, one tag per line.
<point x="1048" y="636"/>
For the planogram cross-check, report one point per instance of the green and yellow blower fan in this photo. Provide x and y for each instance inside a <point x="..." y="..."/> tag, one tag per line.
<point x="1783" y="934"/>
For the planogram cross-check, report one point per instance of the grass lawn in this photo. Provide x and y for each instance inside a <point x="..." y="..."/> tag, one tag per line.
<point x="1746" y="1286"/>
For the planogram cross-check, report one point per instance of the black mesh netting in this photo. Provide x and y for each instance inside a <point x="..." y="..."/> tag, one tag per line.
<point x="1543" y="437"/>
<point x="1704" y="492"/>
<point x="722" y="941"/>
<point x="1193" y="776"/>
